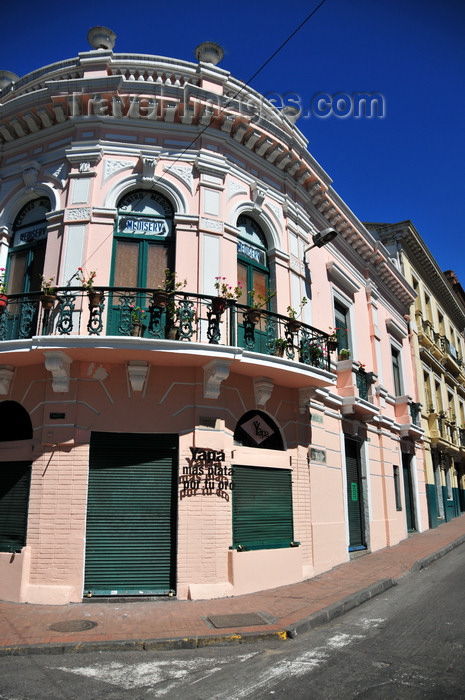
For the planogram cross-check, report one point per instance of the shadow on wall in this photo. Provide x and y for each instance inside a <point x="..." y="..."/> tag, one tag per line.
<point x="15" y="423"/>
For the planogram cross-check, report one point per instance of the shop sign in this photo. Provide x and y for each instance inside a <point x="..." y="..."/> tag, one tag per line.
<point x="30" y="234"/>
<point x="258" y="429"/>
<point x="205" y="474"/>
<point x="145" y="227"/>
<point x="250" y="251"/>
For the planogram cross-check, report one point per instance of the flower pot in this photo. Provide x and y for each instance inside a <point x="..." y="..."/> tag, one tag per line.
<point x="47" y="301"/>
<point x="160" y="298"/>
<point x="136" y="329"/>
<point x="253" y="316"/>
<point x="332" y="345"/>
<point x="293" y="325"/>
<point x="94" y="298"/>
<point x="3" y="302"/>
<point x="279" y="351"/>
<point x="173" y="333"/>
<point x="218" y="305"/>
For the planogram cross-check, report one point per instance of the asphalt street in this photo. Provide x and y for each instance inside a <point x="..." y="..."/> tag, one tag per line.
<point x="407" y="643"/>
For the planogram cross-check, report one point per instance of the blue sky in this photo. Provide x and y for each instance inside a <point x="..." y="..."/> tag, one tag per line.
<point x="408" y="165"/>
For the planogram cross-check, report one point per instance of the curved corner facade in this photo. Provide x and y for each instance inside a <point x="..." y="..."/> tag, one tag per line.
<point x="178" y="444"/>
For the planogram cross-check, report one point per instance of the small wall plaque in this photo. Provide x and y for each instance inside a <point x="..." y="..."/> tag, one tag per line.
<point x="317" y="455"/>
<point x="57" y="416"/>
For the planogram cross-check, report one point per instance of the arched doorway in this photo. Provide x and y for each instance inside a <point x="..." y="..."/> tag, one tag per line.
<point x="262" y="511"/>
<point x="15" y="479"/>
<point x="14" y="421"/>
<point x="143" y="249"/>
<point x="253" y="272"/>
<point x="27" y="250"/>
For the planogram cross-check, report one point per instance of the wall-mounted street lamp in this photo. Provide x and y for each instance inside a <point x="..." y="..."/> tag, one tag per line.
<point x="321" y="238"/>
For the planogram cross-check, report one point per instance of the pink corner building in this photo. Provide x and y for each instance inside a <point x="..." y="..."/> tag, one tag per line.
<point x="206" y="378"/>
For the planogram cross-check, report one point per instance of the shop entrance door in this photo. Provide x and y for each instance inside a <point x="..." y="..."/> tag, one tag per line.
<point x="408" y="492"/>
<point x="354" y="496"/>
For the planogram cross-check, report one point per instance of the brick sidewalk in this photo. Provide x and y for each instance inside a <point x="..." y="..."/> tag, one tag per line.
<point x="287" y="611"/>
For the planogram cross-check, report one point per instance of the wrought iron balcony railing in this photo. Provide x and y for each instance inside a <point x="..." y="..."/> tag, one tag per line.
<point x="362" y="384"/>
<point x="462" y="437"/>
<point x="182" y="316"/>
<point x="415" y="414"/>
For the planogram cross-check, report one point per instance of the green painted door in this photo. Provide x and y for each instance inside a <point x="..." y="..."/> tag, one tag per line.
<point x="354" y="496"/>
<point x="408" y="492"/>
<point x="142" y="251"/>
<point x="131" y="515"/>
<point x="253" y="274"/>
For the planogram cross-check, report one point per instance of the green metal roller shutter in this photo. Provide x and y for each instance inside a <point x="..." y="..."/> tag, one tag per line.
<point x="354" y="496"/>
<point x="131" y="512"/>
<point x="15" y="479"/>
<point x="262" y="508"/>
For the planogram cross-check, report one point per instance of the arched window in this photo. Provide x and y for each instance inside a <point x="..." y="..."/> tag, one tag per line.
<point x="27" y="249"/>
<point x="256" y="429"/>
<point x="144" y="240"/>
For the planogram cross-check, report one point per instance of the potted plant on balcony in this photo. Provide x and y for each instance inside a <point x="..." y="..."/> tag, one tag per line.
<point x="280" y="346"/>
<point x="87" y="283"/>
<point x="49" y="292"/>
<point x="344" y="354"/>
<point x="316" y="353"/>
<point x="3" y="290"/>
<point x="137" y="316"/>
<point x="161" y="296"/>
<point x="227" y="294"/>
<point x="294" y="324"/>
<point x="257" y="303"/>
<point x="334" y="338"/>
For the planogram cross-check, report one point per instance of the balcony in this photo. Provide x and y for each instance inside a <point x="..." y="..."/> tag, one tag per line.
<point x="429" y="339"/>
<point x="408" y="415"/>
<point x="183" y="324"/>
<point x="353" y="385"/>
<point x="452" y="361"/>
<point x="444" y="433"/>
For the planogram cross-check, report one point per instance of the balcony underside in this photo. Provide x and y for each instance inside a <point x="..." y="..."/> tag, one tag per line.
<point x="164" y="353"/>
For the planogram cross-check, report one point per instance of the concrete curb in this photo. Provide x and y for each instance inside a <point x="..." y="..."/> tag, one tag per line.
<point x="426" y="561"/>
<point x="322" y="617"/>
<point x="143" y="644"/>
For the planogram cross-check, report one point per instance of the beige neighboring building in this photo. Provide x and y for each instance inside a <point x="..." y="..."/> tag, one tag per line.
<point x="437" y="333"/>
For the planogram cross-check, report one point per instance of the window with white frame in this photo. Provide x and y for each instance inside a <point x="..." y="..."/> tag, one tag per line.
<point x="396" y="370"/>
<point x="342" y="325"/>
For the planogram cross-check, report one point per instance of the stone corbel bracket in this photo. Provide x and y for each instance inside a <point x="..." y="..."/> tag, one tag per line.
<point x="215" y="372"/>
<point x="6" y="375"/>
<point x="263" y="388"/>
<point x="258" y="196"/>
<point x="149" y="163"/>
<point x="137" y="374"/>
<point x="306" y="394"/>
<point x="30" y="173"/>
<point x="58" y="364"/>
